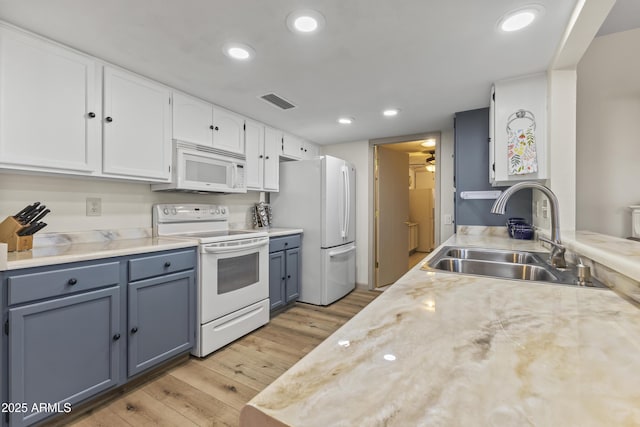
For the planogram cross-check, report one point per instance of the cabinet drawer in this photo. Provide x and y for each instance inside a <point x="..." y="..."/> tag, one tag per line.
<point x="156" y="265"/>
<point x="282" y="243"/>
<point x="62" y="281"/>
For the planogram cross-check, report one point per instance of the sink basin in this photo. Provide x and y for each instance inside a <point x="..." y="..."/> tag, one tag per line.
<point x="505" y="264"/>
<point x="518" y="257"/>
<point x="507" y="270"/>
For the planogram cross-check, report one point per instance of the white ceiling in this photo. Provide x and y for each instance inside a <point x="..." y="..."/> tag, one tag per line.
<point x="430" y="58"/>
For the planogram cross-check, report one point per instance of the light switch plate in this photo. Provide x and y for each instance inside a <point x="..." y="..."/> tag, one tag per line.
<point x="94" y="206"/>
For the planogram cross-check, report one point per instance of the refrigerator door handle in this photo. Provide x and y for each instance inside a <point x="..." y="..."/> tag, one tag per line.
<point x="345" y="202"/>
<point x="347" y="217"/>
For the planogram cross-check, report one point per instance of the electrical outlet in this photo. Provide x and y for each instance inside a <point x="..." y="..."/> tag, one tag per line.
<point x="94" y="206"/>
<point x="447" y="219"/>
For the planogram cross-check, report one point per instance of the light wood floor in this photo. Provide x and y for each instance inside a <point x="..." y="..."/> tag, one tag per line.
<point x="211" y="391"/>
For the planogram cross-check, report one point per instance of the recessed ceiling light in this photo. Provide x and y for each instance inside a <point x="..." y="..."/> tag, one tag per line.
<point x="431" y="142"/>
<point x="519" y="18"/>
<point x="391" y="112"/>
<point x="305" y="21"/>
<point x="238" y="51"/>
<point x="345" y="120"/>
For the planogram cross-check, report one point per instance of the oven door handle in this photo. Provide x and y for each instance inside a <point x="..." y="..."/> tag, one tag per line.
<point x="220" y="250"/>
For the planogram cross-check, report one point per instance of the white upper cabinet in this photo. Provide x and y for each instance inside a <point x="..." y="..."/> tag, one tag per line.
<point x="272" y="149"/>
<point x="203" y="123"/>
<point x="228" y="131"/>
<point x="49" y="106"/>
<point x="518" y="149"/>
<point x="254" y="142"/>
<point x="263" y="157"/>
<point x="192" y="120"/>
<point x="292" y="147"/>
<point x="137" y="127"/>
<point x="310" y="151"/>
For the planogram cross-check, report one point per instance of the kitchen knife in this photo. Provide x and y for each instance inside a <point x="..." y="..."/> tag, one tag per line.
<point x="34" y="213"/>
<point x="32" y="229"/>
<point x="26" y="211"/>
<point x="41" y="215"/>
<point x="38" y="226"/>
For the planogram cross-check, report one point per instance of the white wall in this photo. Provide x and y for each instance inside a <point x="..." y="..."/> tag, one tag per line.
<point x="357" y="153"/>
<point x="608" y="134"/>
<point x="124" y="204"/>
<point x="444" y="168"/>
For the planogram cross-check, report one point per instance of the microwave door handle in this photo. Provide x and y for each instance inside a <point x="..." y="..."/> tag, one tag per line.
<point x="227" y="249"/>
<point x="234" y="173"/>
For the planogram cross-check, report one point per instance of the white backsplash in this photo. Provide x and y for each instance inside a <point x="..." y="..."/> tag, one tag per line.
<point x="125" y="205"/>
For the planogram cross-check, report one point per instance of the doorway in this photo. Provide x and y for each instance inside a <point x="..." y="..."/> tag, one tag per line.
<point x="405" y="197"/>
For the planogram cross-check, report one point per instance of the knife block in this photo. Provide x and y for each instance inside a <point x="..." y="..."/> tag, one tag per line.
<point x="8" y="234"/>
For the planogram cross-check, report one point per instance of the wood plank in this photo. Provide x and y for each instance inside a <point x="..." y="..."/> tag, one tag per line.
<point x="104" y="417"/>
<point x="221" y="387"/>
<point x="201" y="408"/>
<point x="140" y="409"/>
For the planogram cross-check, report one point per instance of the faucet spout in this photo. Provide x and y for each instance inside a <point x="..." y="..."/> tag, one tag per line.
<point x="557" y="251"/>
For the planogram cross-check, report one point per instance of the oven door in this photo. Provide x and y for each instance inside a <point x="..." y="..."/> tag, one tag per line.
<point x="233" y="275"/>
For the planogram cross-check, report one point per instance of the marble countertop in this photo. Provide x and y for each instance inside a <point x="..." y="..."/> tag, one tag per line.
<point x="59" y="248"/>
<point x="445" y="349"/>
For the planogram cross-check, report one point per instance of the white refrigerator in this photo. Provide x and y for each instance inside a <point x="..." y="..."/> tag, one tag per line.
<point x="319" y="196"/>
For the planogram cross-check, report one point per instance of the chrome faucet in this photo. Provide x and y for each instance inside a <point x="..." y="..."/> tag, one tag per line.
<point x="557" y="249"/>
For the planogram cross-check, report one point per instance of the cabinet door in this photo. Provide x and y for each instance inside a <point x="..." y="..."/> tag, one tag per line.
<point x="161" y="319"/>
<point x="228" y="132"/>
<point x="137" y="127"/>
<point x="272" y="150"/>
<point x="292" y="287"/>
<point x="49" y="106"/>
<point x="277" y="279"/>
<point x="529" y="96"/>
<point x="63" y="350"/>
<point x="254" y="140"/>
<point x="192" y="120"/>
<point x="310" y="150"/>
<point x="291" y="147"/>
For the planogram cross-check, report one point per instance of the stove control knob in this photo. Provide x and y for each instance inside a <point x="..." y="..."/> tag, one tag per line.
<point x="217" y="211"/>
<point x="223" y="210"/>
<point x="211" y="211"/>
<point x="165" y="211"/>
<point x="173" y="211"/>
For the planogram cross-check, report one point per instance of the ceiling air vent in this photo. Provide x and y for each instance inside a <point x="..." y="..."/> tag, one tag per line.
<point x="277" y="101"/>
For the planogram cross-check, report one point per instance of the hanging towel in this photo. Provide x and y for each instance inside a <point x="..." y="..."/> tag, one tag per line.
<point x="521" y="143"/>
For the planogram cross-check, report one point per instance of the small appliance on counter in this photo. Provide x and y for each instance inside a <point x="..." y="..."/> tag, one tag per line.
<point x="17" y="231"/>
<point x="262" y="216"/>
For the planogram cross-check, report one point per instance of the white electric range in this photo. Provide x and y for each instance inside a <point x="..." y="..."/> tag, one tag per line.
<point x="233" y="271"/>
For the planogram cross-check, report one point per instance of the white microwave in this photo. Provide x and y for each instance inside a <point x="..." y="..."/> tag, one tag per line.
<point x="202" y="169"/>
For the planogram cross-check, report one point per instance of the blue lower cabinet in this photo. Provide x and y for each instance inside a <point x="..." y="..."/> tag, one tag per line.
<point x="161" y="319"/>
<point x="284" y="270"/>
<point x="73" y="331"/>
<point x="61" y="352"/>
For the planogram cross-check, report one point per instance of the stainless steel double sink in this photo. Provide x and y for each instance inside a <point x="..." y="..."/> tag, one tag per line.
<point x="506" y="264"/>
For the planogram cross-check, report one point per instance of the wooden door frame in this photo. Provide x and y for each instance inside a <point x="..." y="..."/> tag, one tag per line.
<point x="373" y="236"/>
